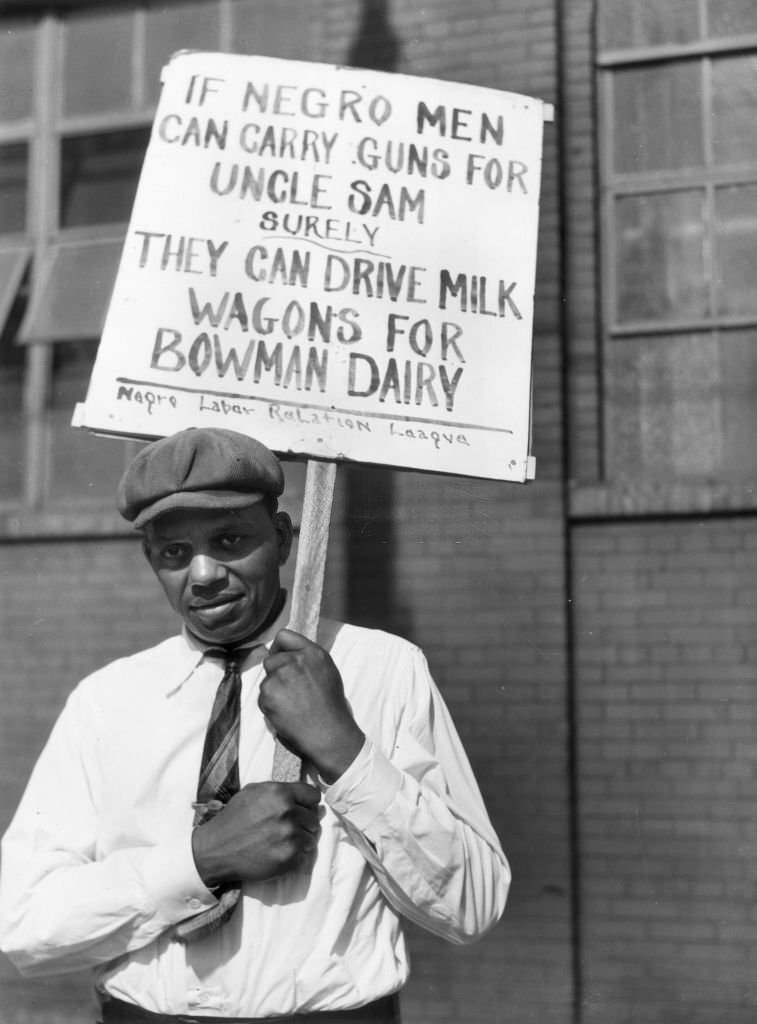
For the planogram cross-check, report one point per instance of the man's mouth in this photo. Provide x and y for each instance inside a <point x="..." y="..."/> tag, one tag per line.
<point x="216" y="604"/>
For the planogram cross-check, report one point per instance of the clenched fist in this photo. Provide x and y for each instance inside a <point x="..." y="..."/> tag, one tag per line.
<point x="264" y="830"/>
<point x="303" y="698"/>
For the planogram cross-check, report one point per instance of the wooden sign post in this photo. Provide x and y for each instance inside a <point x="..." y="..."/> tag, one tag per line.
<point x="308" y="579"/>
<point x="313" y="543"/>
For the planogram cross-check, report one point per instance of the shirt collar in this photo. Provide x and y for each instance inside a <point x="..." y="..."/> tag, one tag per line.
<point x="191" y="651"/>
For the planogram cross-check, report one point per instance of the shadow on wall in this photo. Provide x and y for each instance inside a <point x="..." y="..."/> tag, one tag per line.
<point x="371" y="546"/>
<point x="376" y="45"/>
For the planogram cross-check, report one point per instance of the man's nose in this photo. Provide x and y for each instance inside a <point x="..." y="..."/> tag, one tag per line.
<point x="205" y="570"/>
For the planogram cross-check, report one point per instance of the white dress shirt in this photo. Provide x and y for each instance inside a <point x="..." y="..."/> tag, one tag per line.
<point x="97" y="863"/>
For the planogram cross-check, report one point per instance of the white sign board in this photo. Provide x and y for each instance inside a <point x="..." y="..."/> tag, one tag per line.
<point x="338" y="262"/>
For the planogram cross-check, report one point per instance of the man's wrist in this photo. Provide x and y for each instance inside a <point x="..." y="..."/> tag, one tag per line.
<point x="338" y="757"/>
<point x="366" y="789"/>
<point x="206" y="864"/>
<point x="171" y="879"/>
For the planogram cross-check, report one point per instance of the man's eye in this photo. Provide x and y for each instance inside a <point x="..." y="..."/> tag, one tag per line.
<point x="229" y="540"/>
<point x="173" y="552"/>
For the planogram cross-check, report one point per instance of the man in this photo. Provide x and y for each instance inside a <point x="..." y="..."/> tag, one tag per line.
<point x="117" y="851"/>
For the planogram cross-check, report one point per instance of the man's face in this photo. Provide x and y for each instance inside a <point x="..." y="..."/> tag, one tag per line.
<point x="220" y="569"/>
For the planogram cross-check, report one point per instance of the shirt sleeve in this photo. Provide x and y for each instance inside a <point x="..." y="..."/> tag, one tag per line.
<point x="64" y="908"/>
<point x="418" y="817"/>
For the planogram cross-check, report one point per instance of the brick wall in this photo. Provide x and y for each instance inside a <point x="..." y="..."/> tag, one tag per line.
<point x="665" y="616"/>
<point x="473" y="572"/>
<point x="579" y="158"/>
<point x="478" y="567"/>
<point x="663" y="612"/>
<point x="470" y="570"/>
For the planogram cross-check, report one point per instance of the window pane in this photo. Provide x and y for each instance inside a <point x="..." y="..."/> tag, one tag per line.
<point x="665" y="407"/>
<point x="13" y="264"/>
<point x="192" y="26"/>
<point x="731" y="17"/>
<point x="657" y="118"/>
<point x="14" y="169"/>
<point x="659" y="259"/>
<point x="736" y="248"/>
<point x="97" y="70"/>
<point x="72" y="297"/>
<point x="12" y="359"/>
<point x="628" y="23"/>
<point x="99" y="175"/>
<point x="739" y="361"/>
<point x="16" y="70"/>
<point x="734" y="101"/>
<point x="284" y="29"/>
<point x="81" y="465"/>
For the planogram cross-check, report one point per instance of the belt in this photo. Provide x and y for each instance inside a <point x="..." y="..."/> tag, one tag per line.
<point x="382" y="1011"/>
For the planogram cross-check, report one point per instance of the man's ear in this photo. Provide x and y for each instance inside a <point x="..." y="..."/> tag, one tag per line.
<point x="285" y="534"/>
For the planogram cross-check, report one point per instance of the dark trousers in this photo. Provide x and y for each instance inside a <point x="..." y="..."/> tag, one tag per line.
<point x="383" y="1011"/>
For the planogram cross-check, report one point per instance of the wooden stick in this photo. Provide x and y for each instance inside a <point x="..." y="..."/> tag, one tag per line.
<point x="311" y="552"/>
<point x="308" y="580"/>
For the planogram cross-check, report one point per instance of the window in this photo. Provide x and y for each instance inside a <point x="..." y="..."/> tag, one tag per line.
<point x="99" y="175"/>
<point x="11" y="398"/>
<point x="78" y="90"/>
<point x="14" y="173"/>
<point x="678" y="90"/>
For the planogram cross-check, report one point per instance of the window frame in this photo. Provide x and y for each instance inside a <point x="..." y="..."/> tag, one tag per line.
<point x="44" y="239"/>
<point x="707" y="178"/>
<point x="611" y="186"/>
<point x="34" y="513"/>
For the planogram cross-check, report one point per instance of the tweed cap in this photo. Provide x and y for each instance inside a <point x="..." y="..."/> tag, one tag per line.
<point x="202" y="468"/>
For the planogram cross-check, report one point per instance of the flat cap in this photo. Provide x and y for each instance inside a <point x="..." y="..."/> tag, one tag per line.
<point x="203" y="468"/>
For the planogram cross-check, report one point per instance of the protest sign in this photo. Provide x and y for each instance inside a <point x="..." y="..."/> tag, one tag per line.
<point x="338" y="262"/>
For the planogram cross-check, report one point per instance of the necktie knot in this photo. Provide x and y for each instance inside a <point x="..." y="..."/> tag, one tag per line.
<point x="232" y="657"/>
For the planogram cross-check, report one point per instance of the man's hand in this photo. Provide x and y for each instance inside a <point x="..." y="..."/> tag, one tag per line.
<point x="303" y="699"/>
<point x="264" y="830"/>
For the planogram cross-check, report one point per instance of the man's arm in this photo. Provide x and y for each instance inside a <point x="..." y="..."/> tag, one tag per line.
<point x="62" y="907"/>
<point x="414" y="811"/>
<point x="65" y="906"/>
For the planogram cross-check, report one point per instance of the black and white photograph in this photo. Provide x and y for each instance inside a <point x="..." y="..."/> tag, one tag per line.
<point x="378" y="511"/>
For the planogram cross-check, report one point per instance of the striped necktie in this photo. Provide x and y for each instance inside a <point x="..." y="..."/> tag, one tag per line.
<point x="219" y="768"/>
<point x="219" y="778"/>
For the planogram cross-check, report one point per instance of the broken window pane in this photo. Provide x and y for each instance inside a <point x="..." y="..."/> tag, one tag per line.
<point x="74" y="289"/>
<point x="81" y="465"/>
<point x="12" y="361"/>
<point x="13" y="264"/>
<point x="99" y="175"/>
<point x="14" y="171"/>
